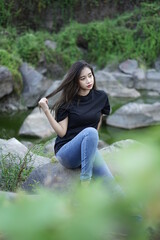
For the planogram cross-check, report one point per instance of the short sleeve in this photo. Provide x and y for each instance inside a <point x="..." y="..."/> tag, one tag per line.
<point x="106" y="108"/>
<point x="62" y="113"/>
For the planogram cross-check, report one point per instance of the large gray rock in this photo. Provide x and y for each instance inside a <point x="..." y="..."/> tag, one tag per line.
<point x="128" y="66"/>
<point x="11" y="103"/>
<point x="124" y="79"/>
<point x="35" y="85"/>
<point x="50" y="44"/>
<point x="36" y="125"/>
<point x="139" y="75"/>
<point x="16" y="148"/>
<point x="57" y="177"/>
<point x="135" y="115"/>
<point x="54" y="70"/>
<point x="108" y="83"/>
<point x="151" y="82"/>
<point x="6" y="81"/>
<point x="52" y="175"/>
<point x="157" y="64"/>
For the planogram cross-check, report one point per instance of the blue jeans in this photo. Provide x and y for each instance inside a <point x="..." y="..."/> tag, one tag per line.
<point x="82" y="151"/>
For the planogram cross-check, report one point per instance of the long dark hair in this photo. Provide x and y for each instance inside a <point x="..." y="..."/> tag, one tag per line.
<point x="70" y="84"/>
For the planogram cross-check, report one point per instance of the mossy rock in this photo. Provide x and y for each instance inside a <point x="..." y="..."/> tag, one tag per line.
<point x="12" y="62"/>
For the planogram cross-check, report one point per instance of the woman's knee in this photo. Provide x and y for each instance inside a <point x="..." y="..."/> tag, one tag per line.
<point x="92" y="133"/>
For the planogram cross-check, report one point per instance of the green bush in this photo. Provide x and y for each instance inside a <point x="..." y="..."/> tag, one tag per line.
<point x="147" y="39"/>
<point x="14" y="170"/>
<point x="12" y="62"/>
<point x="8" y="37"/>
<point x="130" y="35"/>
<point x="28" y="48"/>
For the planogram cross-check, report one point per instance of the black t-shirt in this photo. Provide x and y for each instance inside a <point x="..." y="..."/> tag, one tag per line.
<point x="83" y="112"/>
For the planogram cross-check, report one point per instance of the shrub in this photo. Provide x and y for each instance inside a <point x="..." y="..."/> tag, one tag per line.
<point x="28" y="48"/>
<point x="14" y="170"/>
<point x="12" y="62"/>
<point x="131" y="35"/>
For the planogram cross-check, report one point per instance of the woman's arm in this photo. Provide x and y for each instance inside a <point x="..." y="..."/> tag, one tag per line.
<point x="100" y="122"/>
<point x="59" y="127"/>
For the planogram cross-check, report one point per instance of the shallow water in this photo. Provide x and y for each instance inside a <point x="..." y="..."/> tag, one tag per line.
<point x="11" y="123"/>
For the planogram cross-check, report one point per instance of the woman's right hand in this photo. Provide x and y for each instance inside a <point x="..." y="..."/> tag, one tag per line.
<point x="43" y="103"/>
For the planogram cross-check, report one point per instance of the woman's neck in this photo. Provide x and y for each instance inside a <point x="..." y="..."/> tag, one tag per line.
<point x="83" y="92"/>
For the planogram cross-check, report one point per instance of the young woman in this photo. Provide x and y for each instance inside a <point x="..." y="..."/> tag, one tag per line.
<point x="78" y="113"/>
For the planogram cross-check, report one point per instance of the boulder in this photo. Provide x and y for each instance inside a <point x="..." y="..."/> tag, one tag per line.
<point x="53" y="176"/>
<point x="16" y="148"/>
<point x="36" y="125"/>
<point x="107" y="82"/>
<point x="49" y="147"/>
<point x="50" y="44"/>
<point x="157" y="64"/>
<point x="54" y="70"/>
<point x="11" y="103"/>
<point x="150" y="82"/>
<point x="57" y="177"/>
<point x="35" y="85"/>
<point x="6" y="81"/>
<point x="153" y="94"/>
<point x="153" y="74"/>
<point x="135" y="115"/>
<point x="125" y="79"/>
<point x="128" y="66"/>
<point x="139" y="75"/>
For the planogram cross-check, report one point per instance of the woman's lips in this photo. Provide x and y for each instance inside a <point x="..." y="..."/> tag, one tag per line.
<point x="90" y="85"/>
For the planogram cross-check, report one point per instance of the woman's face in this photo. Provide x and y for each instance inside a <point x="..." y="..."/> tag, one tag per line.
<point x="86" y="80"/>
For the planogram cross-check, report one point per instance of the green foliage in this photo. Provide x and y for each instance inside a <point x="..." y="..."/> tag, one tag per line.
<point x="105" y="42"/>
<point x="92" y="213"/>
<point x="7" y="38"/>
<point x="130" y="35"/>
<point x="147" y="39"/>
<point x="14" y="170"/>
<point x="12" y="62"/>
<point x="5" y="12"/>
<point x="83" y="215"/>
<point x="28" y="48"/>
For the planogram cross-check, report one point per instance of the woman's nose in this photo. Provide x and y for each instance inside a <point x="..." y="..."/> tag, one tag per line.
<point x="88" y="80"/>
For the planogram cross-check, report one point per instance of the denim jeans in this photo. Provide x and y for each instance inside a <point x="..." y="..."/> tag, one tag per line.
<point x="82" y="151"/>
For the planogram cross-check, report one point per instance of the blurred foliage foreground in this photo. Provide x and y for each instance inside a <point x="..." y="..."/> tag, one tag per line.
<point x="93" y="213"/>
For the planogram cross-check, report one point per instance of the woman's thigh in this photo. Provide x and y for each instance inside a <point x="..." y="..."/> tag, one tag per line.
<point x="70" y="154"/>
